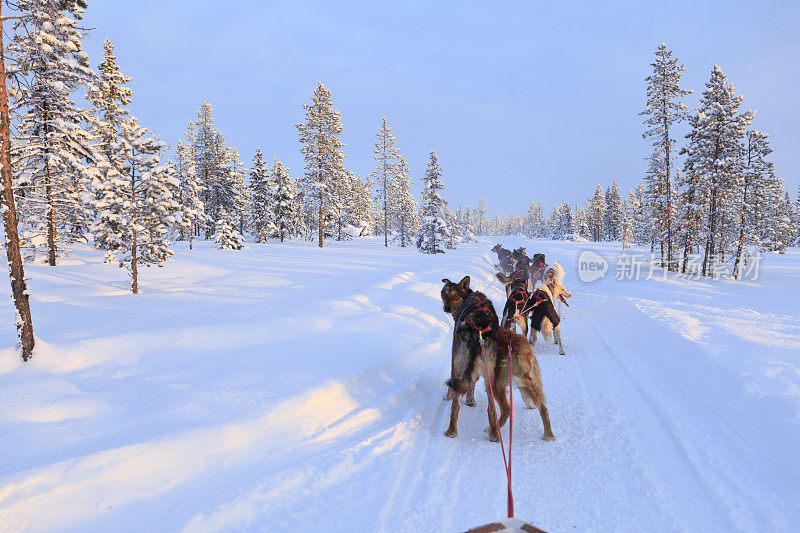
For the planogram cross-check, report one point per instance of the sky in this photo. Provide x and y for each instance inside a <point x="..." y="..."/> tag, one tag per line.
<point x="521" y="101"/>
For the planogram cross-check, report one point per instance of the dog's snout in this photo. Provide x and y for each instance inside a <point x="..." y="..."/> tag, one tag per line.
<point x="446" y="308"/>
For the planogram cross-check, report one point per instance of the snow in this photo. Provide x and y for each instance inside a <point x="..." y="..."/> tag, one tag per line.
<point x="288" y="387"/>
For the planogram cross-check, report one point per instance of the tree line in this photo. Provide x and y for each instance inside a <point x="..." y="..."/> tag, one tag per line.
<point x="715" y="197"/>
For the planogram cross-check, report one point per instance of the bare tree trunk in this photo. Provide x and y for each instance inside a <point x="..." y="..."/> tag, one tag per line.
<point x="712" y="228"/>
<point x="19" y="289"/>
<point x="134" y="266"/>
<point x="135" y="237"/>
<point x="668" y="185"/>
<point x="51" y="222"/>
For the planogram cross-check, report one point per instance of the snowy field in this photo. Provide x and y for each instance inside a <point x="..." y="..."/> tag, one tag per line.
<point x="287" y="387"/>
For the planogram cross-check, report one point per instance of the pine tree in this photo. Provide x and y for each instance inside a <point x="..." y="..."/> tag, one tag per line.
<point x="212" y="161"/>
<point x="407" y="216"/>
<point x="109" y="94"/>
<point x="226" y="235"/>
<point x="240" y="200"/>
<point x="530" y="223"/>
<point x="322" y="151"/>
<point x="581" y="224"/>
<point x="262" y="197"/>
<point x="626" y="229"/>
<point x="597" y="215"/>
<point x="756" y="171"/>
<point x="283" y="205"/>
<point x="664" y="109"/>
<point x="356" y="200"/>
<point x="467" y="230"/>
<point x="139" y="203"/>
<point x="796" y="223"/>
<point x="480" y="218"/>
<point x="434" y="232"/>
<point x="783" y="224"/>
<point x="640" y="221"/>
<point x="717" y="136"/>
<point x="387" y="157"/>
<point x="55" y="158"/>
<point x="613" y="215"/>
<point x="190" y="190"/>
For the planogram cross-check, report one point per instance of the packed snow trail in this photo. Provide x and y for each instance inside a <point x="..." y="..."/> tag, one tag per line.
<point x="288" y="387"/>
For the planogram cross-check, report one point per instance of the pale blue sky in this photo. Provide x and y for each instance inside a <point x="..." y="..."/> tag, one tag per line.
<point x="521" y="100"/>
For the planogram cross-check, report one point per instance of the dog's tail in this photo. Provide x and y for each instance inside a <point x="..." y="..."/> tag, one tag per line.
<point x="458" y="385"/>
<point x="505" y="280"/>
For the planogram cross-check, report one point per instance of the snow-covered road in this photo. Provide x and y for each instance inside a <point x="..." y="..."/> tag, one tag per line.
<point x="286" y="387"/>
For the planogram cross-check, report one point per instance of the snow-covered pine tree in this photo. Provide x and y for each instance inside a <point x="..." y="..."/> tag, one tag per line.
<point x="480" y="218"/>
<point x="530" y="221"/>
<point x="664" y="109"/>
<point x="190" y="190"/>
<point x="626" y="228"/>
<point x="717" y="136"/>
<point x="756" y="170"/>
<point x="55" y="159"/>
<point x="262" y="196"/>
<point x="406" y="214"/>
<point x="783" y="230"/>
<point x="655" y="202"/>
<point x="212" y="161"/>
<point x="240" y="200"/>
<point x="139" y="203"/>
<point x="109" y="95"/>
<point x="613" y="215"/>
<point x="387" y="158"/>
<point x="283" y="204"/>
<point x="467" y="231"/>
<point x="597" y="214"/>
<point x="227" y="236"/>
<point x="796" y="223"/>
<point x="581" y="224"/>
<point x="640" y="223"/>
<point x="321" y="147"/>
<point x="434" y="232"/>
<point x="355" y="198"/>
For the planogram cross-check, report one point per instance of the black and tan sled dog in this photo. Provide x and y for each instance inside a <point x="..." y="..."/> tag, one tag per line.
<point x="517" y="295"/>
<point x="473" y="312"/>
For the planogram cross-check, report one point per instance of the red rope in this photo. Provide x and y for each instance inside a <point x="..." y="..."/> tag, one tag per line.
<point x="506" y="462"/>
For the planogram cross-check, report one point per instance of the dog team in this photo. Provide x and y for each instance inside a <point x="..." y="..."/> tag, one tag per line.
<point x="532" y="289"/>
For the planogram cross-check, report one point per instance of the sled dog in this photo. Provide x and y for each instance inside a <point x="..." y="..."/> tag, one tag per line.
<point x="471" y="312"/>
<point x="504" y="262"/>
<point x="517" y="295"/>
<point x="543" y="315"/>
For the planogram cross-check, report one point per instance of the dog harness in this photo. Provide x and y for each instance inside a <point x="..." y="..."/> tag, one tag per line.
<point x="540" y="305"/>
<point x="481" y="307"/>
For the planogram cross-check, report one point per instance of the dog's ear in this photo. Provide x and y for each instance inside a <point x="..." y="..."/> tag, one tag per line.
<point x="464" y="283"/>
<point x="446" y="281"/>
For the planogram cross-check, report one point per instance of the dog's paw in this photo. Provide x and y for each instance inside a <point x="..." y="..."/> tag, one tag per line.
<point x="493" y="437"/>
<point x="548" y="437"/>
<point x="562" y="352"/>
<point x="471" y="403"/>
<point x="451" y="434"/>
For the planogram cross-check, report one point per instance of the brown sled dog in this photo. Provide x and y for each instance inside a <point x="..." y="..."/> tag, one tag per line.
<point x="471" y="312"/>
<point x="526" y="376"/>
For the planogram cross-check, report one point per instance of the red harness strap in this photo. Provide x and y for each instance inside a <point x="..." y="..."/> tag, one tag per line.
<point x="506" y="461"/>
<point x="481" y="307"/>
<point x="536" y="298"/>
